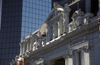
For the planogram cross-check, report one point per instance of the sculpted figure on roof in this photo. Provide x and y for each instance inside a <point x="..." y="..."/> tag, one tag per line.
<point x="77" y="17"/>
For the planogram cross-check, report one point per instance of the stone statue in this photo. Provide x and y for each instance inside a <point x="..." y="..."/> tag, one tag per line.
<point x="77" y="18"/>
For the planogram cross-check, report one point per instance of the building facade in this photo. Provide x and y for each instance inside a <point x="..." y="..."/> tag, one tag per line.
<point x="19" y="18"/>
<point x="60" y="41"/>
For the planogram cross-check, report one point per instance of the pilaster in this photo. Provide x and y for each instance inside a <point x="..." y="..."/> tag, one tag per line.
<point x="58" y="29"/>
<point x="75" y="58"/>
<point x="53" y="32"/>
<point x="24" y="48"/>
<point x="82" y="57"/>
<point x="21" y="49"/>
<point x="68" y="58"/>
<point x="86" y="56"/>
<point x="28" y="44"/>
<point x="31" y="41"/>
<point x="48" y="27"/>
<point x="40" y="43"/>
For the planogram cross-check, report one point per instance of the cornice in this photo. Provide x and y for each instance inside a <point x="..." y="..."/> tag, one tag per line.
<point x="64" y="37"/>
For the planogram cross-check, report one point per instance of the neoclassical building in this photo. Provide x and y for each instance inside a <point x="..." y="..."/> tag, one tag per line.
<point x="62" y="42"/>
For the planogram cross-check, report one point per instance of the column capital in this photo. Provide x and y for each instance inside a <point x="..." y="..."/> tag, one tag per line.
<point x="51" y="63"/>
<point x="85" y="48"/>
<point x="21" y="43"/>
<point x="79" y="49"/>
<point x="28" y="40"/>
<point x="65" y="56"/>
<point x="66" y="9"/>
<point x="71" y="52"/>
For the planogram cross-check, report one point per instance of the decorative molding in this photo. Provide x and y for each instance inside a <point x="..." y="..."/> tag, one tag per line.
<point x="65" y="56"/>
<point x="79" y="40"/>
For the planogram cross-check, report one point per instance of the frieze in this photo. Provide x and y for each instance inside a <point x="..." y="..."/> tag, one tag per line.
<point x="62" y="48"/>
<point x="79" y="40"/>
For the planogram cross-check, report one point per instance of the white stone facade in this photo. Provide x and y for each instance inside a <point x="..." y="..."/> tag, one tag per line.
<point x="76" y="42"/>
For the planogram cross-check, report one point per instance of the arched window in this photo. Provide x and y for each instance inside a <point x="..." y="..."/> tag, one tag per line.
<point x="56" y="30"/>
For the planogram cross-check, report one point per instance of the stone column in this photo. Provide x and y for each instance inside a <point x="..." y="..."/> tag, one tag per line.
<point x="58" y="28"/>
<point x="82" y="57"/>
<point x="66" y="16"/>
<point x="53" y="33"/>
<point x="24" y="48"/>
<point x="31" y="44"/>
<point x="70" y="59"/>
<point x="48" y="33"/>
<point x="46" y="37"/>
<point x="36" y="44"/>
<point x="75" y="58"/>
<point x="21" y="49"/>
<point x="44" y="41"/>
<point x="66" y="61"/>
<point x="66" y="58"/>
<point x="27" y="46"/>
<point x="86" y="57"/>
<point x="64" y="26"/>
<point x="49" y="37"/>
<point x="40" y="43"/>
